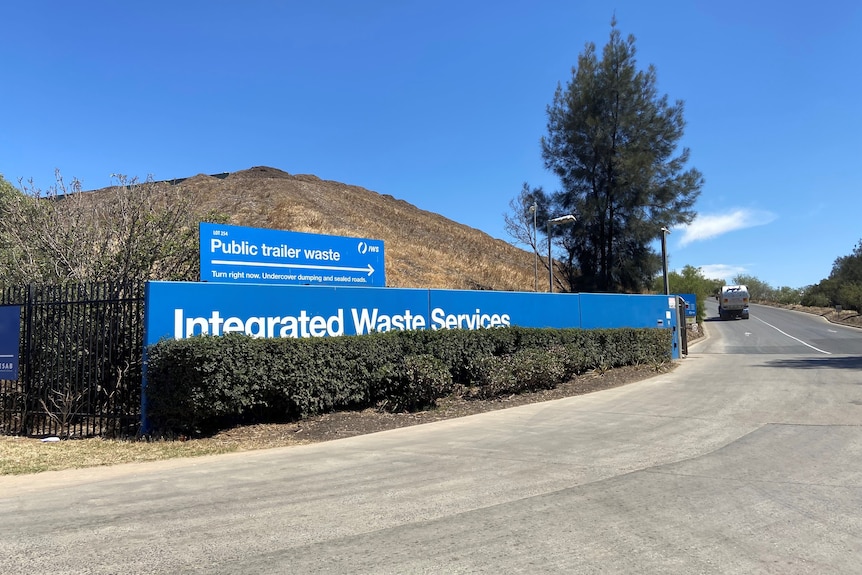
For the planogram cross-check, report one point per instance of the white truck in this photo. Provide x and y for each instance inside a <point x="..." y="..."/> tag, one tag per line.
<point x="733" y="302"/>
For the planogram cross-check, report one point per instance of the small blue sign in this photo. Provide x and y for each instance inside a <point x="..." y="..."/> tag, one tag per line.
<point x="238" y="254"/>
<point x="10" y="340"/>
<point x="690" y="304"/>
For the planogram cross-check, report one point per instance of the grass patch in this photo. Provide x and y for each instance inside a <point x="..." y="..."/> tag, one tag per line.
<point x="21" y="455"/>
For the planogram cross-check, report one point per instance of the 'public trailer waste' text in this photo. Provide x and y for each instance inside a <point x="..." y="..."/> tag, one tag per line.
<point x="282" y="251"/>
<point x="304" y="325"/>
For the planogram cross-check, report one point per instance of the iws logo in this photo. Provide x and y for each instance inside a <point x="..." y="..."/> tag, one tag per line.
<point x="363" y="248"/>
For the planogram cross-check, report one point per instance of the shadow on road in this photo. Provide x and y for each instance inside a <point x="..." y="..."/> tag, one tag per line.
<point x="841" y="362"/>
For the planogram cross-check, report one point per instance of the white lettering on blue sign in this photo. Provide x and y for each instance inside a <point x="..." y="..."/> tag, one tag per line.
<point x="185" y="309"/>
<point x="236" y="254"/>
<point x="365" y="321"/>
<point x="441" y="320"/>
<point x="242" y="248"/>
<point x="305" y="325"/>
<point x="302" y="325"/>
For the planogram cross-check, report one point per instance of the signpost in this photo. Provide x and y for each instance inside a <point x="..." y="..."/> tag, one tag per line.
<point x="10" y="334"/>
<point x="690" y="305"/>
<point x="237" y="254"/>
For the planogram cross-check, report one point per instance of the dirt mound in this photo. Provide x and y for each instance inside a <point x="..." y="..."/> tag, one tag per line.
<point x="258" y="172"/>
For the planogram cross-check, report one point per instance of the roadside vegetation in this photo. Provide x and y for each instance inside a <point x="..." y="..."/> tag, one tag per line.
<point x="205" y="384"/>
<point x="842" y="290"/>
<point x="843" y="287"/>
<point x="22" y="455"/>
<point x="612" y="140"/>
<point x="132" y="231"/>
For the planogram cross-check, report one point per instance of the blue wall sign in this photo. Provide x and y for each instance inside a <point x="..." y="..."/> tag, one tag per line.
<point x="238" y="254"/>
<point x="690" y="304"/>
<point x="180" y="310"/>
<point x="10" y="341"/>
<point x="184" y="309"/>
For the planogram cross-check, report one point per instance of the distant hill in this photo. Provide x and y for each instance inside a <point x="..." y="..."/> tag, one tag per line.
<point x="422" y="249"/>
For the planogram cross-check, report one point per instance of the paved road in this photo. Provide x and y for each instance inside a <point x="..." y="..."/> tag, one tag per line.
<point x="746" y="459"/>
<point x="777" y="331"/>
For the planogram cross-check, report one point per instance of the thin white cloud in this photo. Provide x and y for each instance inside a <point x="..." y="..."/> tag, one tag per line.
<point x="705" y="227"/>
<point x="723" y="272"/>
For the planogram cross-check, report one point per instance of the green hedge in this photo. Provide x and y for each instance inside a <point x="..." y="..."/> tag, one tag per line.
<point x="201" y="384"/>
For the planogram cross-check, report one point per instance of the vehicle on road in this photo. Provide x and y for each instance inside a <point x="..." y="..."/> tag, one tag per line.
<point x="733" y="302"/>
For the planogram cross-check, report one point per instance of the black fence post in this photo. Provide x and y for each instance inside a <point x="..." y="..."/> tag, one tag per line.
<point x="27" y="368"/>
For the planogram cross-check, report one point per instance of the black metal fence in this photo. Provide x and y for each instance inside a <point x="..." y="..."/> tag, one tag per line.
<point x="80" y="360"/>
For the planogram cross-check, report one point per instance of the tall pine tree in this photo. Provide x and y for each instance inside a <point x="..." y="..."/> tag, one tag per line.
<point x="612" y="141"/>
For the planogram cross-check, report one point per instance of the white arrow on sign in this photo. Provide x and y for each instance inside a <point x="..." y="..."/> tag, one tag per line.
<point x="368" y="269"/>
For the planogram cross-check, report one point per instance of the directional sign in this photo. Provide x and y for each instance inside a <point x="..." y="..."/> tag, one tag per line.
<point x="237" y="254"/>
<point x="10" y="330"/>
<point x="690" y="304"/>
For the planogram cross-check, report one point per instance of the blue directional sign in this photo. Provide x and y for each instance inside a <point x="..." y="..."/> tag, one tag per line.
<point x="10" y="332"/>
<point x="690" y="304"/>
<point x="237" y="254"/>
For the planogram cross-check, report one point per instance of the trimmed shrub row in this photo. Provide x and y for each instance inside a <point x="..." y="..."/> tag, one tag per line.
<point x="201" y="384"/>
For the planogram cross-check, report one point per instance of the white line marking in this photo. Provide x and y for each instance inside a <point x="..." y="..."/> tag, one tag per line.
<point x="794" y="338"/>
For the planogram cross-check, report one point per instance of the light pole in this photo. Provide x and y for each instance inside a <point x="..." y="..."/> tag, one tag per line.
<point x="533" y="209"/>
<point x="553" y="222"/>
<point x="664" y="233"/>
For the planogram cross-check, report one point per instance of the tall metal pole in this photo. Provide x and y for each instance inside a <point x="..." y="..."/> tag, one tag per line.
<point x="550" y="262"/>
<point x="664" y="233"/>
<point x="535" y="208"/>
<point x="551" y="222"/>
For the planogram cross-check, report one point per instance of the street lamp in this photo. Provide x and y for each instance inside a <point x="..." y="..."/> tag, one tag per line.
<point x="664" y="233"/>
<point x="533" y="210"/>
<point x="553" y="222"/>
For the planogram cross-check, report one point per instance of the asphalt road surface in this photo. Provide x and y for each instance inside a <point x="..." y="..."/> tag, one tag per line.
<point x="746" y="459"/>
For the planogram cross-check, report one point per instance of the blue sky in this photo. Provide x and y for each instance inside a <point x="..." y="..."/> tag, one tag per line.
<point x="442" y="104"/>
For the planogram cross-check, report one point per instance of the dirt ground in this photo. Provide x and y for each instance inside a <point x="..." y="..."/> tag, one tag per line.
<point x="844" y="317"/>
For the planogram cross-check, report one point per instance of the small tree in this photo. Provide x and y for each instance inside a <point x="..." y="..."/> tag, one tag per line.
<point x="612" y="140"/>
<point x="758" y="290"/>
<point x="848" y="269"/>
<point x="9" y="196"/>
<point x="130" y="231"/>
<point x="843" y="286"/>
<point x="127" y="233"/>
<point x="846" y="279"/>
<point x="787" y="295"/>
<point x="6" y="190"/>
<point x="690" y="280"/>
<point x="526" y="219"/>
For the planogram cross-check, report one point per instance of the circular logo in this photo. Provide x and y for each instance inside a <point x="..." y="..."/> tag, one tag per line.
<point x="362" y="247"/>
